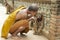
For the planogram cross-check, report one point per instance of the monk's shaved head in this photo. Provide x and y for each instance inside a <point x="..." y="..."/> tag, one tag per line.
<point x="33" y="7"/>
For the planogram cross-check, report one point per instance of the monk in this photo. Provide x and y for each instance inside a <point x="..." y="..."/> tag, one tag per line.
<point x="23" y="17"/>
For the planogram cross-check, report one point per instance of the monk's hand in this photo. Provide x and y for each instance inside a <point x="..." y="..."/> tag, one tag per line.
<point x="32" y="18"/>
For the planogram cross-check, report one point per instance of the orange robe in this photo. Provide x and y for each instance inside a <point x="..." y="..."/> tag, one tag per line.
<point x="18" y="24"/>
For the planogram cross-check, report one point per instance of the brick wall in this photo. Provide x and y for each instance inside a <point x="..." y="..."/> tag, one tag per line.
<point x="55" y="22"/>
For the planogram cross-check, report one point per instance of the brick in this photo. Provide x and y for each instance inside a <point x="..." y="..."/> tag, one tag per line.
<point x="58" y="17"/>
<point x="51" y="37"/>
<point x="51" y="25"/>
<point x="52" y="32"/>
<point x="53" y="29"/>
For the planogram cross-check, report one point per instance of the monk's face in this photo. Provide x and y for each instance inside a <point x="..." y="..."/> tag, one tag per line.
<point x="33" y="13"/>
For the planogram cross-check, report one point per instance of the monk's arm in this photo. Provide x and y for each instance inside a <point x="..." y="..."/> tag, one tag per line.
<point x="20" y="16"/>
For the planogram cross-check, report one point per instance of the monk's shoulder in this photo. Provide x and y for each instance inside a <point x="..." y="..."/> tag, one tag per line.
<point x="22" y="11"/>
